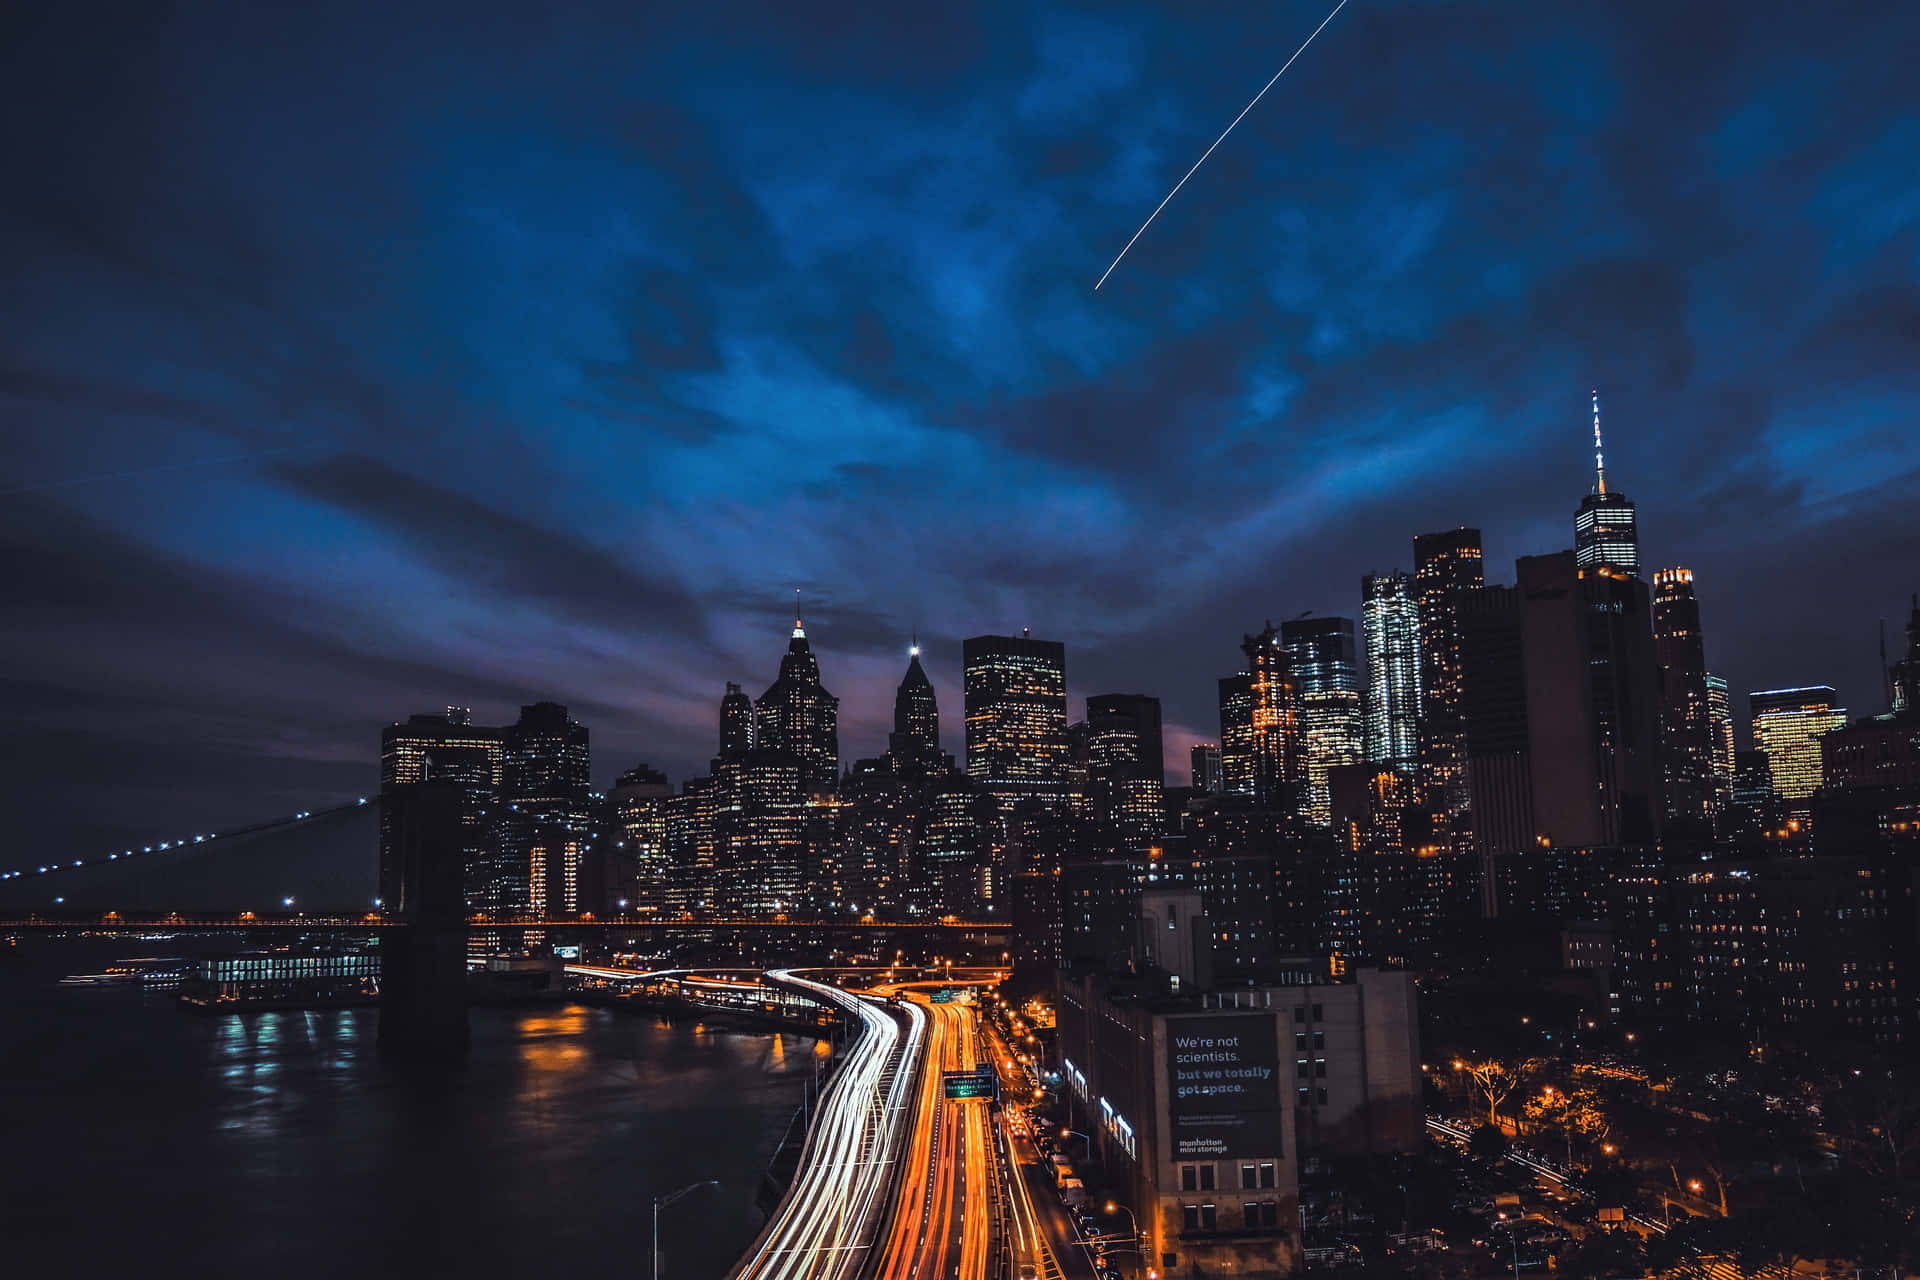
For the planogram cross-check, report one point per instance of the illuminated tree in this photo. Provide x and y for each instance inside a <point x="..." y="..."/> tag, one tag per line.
<point x="1496" y="1081"/>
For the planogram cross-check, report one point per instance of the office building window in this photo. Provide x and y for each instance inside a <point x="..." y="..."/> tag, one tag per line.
<point x="1323" y="1097"/>
<point x="1266" y="1174"/>
<point x="1207" y="1220"/>
<point x="1319" y="1039"/>
<point x="1190" y="1217"/>
<point x="1299" y="1016"/>
<point x="1246" y="1177"/>
<point x="1206" y="1177"/>
<point x="1189" y="1178"/>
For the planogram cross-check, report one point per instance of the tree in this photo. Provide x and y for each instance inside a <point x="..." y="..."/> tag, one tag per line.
<point x="1876" y="1116"/>
<point x="1495" y="1080"/>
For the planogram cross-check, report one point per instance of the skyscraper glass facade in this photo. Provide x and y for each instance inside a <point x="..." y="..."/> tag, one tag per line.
<point x="1445" y="564"/>
<point x="1787" y="724"/>
<point x="1327" y="671"/>
<point x="1390" y="622"/>
<point x="1015" y="696"/>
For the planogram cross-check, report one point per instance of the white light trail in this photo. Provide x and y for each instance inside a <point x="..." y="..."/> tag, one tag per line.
<point x="1217" y="141"/>
<point x="822" y="1226"/>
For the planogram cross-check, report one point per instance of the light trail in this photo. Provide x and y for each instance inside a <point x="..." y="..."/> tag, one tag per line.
<point x="824" y="1225"/>
<point x="1217" y="141"/>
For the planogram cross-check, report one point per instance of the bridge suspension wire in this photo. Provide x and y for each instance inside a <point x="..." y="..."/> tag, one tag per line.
<point x="196" y="840"/>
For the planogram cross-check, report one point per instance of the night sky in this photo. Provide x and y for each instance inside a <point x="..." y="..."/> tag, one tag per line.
<point x="360" y="361"/>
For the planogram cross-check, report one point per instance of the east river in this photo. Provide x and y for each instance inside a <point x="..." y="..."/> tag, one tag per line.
<point x="139" y="1139"/>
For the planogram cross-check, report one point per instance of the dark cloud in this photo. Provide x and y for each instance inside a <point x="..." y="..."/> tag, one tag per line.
<point x="491" y="551"/>
<point x="595" y="337"/>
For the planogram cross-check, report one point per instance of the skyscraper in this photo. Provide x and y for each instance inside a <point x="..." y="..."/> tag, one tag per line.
<point x="1015" y="697"/>
<point x="1205" y="758"/>
<point x="1279" y="745"/>
<point x="1328" y="674"/>
<point x="642" y="865"/>
<point x="1592" y="684"/>
<point x="1493" y="687"/>
<point x="1390" y="621"/>
<point x="1444" y="564"/>
<point x="1787" y="724"/>
<point x="442" y="748"/>
<point x="1236" y="734"/>
<point x="916" y="713"/>
<point x="1604" y="529"/>
<point x="759" y="818"/>
<point x="1125" y="768"/>
<point x="545" y="781"/>
<point x="796" y="714"/>
<point x="1903" y="677"/>
<point x="1686" y="717"/>
<point x="1720" y="721"/>
<point x="736" y="722"/>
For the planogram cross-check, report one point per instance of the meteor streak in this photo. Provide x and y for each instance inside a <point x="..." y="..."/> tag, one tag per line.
<point x="1217" y="141"/>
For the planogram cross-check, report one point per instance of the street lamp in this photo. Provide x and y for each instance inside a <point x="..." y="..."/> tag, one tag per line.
<point x="669" y="1198"/>
<point x="1075" y="1133"/>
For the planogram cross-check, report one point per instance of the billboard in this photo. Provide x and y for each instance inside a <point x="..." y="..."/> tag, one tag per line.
<point x="1223" y="1086"/>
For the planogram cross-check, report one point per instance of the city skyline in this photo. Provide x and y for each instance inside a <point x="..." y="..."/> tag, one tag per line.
<point x="558" y="438"/>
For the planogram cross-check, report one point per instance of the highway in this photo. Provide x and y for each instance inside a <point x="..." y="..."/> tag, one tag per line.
<point x="836" y="1209"/>
<point x="942" y="1220"/>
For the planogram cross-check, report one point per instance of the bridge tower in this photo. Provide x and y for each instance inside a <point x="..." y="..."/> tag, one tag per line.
<point x="423" y="978"/>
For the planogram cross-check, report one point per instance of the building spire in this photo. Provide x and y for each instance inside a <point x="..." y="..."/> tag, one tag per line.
<point x="913" y="650"/>
<point x="1599" y="459"/>
<point x="799" y="627"/>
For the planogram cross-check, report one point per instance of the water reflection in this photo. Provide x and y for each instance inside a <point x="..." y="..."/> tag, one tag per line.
<point x="282" y="1143"/>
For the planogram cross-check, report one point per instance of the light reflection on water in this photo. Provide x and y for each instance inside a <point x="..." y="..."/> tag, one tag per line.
<point x="282" y="1143"/>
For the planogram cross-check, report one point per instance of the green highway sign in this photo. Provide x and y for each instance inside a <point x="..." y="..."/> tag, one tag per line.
<point x="971" y="1084"/>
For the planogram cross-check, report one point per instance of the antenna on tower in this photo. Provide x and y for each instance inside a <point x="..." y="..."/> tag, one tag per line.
<point x="1886" y="672"/>
<point x="1599" y="460"/>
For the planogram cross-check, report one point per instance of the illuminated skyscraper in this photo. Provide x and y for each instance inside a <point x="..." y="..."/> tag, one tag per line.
<point x="1279" y="744"/>
<point x="798" y="715"/>
<point x="759" y="819"/>
<point x="1125" y="768"/>
<point x="916" y="713"/>
<point x="1444" y="564"/>
<point x="637" y="812"/>
<point x="444" y="747"/>
<point x="1015" y="696"/>
<point x="736" y="722"/>
<point x="1236" y="734"/>
<point x="1604" y="529"/>
<point x="1390" y="622"/>
<point x="1787" y="724"/>
<point x="1205" y="757"/>
<point x="1720" y="720"/>
<point x="1686" y="716"/>
<point x="1328" y="675"/>
<point x="545" y="783"/>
